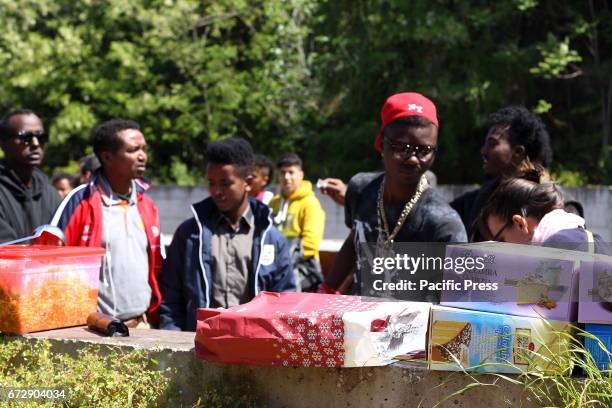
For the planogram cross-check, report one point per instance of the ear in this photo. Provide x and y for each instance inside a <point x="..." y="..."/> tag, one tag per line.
<point x="518" y="153"/>
<point x="521" y="223"/>
<point x="105" y="157"/>
<point x="430" y="162"/>
<point x="248" y="179"/>
<point x="266" y="180"/>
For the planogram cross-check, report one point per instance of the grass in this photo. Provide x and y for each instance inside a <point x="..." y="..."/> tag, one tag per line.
<point x="108" y="377"/>
<point x="91" y="379"/>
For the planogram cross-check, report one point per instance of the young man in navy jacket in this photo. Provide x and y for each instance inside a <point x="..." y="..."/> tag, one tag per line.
<point x="229" y="251"/>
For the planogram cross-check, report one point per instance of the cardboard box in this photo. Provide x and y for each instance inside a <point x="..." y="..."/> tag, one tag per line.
<point x="464" y="339"/>
<point x="604" y="333"/>
<point x="529" y="280"/>
<point x="596" y="290"/>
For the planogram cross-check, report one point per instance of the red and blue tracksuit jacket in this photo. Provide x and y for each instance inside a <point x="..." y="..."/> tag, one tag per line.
<point x="80" y="217"/>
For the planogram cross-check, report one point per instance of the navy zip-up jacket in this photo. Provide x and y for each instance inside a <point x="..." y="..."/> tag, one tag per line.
<point x="187" y="275"/>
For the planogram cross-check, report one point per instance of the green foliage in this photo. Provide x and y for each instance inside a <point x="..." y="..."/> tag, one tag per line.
<point x="471" y="59"/>
<point x="542" y="107"/>
<point x="308" y="75"/>
<point x="182" y="175"/>
<point x="92" y="378"/>
<point x="556" y="56"/>
<point x="230" y="393"/>
<point x="109" y="377"/>
<point x="568" y="178"/>
<point x="524" y="5"/>
<point x="188" y="71"/>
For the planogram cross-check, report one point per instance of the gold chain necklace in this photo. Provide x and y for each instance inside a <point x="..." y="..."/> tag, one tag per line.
<point x="384" y="236"/>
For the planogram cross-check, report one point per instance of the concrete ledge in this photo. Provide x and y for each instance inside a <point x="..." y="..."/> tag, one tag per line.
<point x="139" y="338"/>
<point x="391" y="386"/>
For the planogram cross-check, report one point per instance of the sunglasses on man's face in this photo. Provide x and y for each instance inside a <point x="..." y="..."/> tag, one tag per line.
<point x="26" y="137"/>
<point x="405" y="151"/>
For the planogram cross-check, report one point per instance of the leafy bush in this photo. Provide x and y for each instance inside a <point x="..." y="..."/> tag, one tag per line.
<point x="229" y="393"/>
<point x="92" y="379"/>
<point x="108" y="377"/>
<point x="568" y="178"/>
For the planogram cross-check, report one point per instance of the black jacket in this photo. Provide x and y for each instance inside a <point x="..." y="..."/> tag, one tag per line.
<point x="24" y="208"/>
<point x="431" y="220"/>
<point x="470" y="204"/>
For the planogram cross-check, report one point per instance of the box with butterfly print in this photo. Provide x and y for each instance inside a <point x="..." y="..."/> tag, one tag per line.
<point x="313" y="330"/>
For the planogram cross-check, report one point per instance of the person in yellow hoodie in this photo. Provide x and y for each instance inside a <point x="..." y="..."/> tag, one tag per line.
<point x="298" y="214"/>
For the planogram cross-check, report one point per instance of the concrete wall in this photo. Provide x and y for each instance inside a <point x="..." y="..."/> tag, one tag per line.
<point x="390" y="386"/>
<point x="174" y="206"/>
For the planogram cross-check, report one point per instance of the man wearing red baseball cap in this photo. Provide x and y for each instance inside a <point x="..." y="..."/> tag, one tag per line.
<point x="397" y="205"/>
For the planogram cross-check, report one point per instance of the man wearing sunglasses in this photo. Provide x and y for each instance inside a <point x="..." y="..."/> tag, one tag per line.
<point x="397" y="205"/>
<point x="26" y="198"/>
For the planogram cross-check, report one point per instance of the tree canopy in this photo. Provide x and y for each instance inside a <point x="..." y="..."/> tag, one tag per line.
<point x="310" y="76"/>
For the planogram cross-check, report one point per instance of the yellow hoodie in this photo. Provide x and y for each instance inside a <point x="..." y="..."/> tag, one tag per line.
<point x="301" y="216"/>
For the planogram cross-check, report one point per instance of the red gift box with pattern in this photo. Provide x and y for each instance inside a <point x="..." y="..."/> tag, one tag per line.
<point x="313" y="330"/>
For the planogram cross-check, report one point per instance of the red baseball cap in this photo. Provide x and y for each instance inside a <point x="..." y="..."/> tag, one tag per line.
<point x="402" y="105"/>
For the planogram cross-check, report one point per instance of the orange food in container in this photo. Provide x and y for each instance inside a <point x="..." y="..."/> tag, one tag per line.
<point x="47" y="287"/>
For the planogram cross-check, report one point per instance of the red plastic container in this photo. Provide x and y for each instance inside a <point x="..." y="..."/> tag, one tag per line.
<point x="47" y="287"/>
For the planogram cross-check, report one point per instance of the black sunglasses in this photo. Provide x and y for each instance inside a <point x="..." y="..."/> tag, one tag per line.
<point x="26" y="137"/>
<point x="502" y="229"/>
<point x="508" y="224"/>
<point x="406" y="151"/>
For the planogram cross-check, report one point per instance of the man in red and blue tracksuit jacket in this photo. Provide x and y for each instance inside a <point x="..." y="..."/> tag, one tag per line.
<point x="80" y="216"/>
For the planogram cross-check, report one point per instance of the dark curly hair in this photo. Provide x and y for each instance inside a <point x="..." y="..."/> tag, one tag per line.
<point x="265" y="164"/>
<point x="104" y="138"/>
<point x="64" y="176"/>
<point x="89" y="163"/>
<point x="235" y="150"/>
<point x="527" y="129"/>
